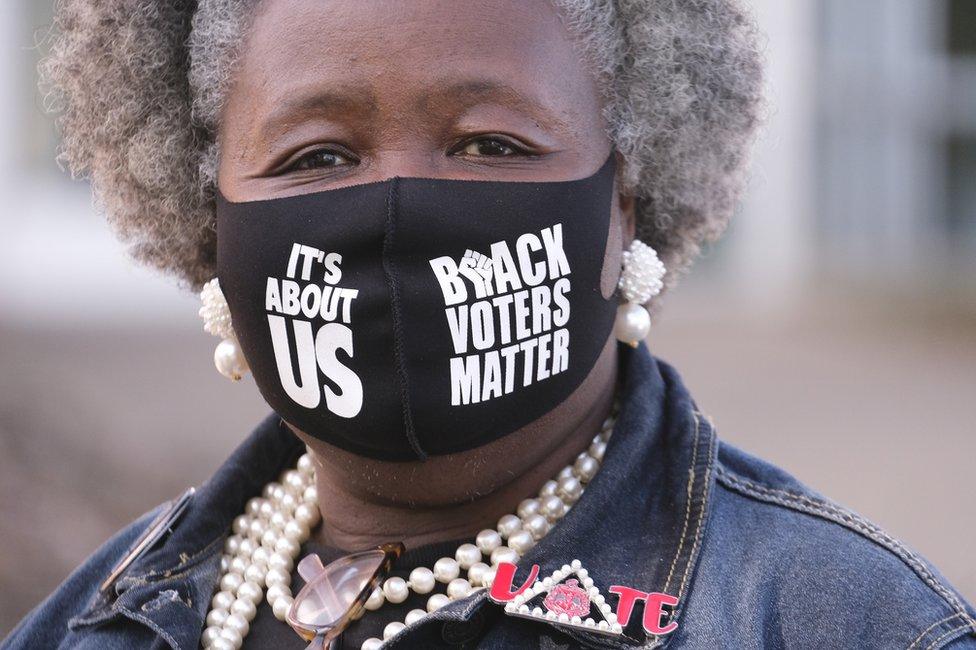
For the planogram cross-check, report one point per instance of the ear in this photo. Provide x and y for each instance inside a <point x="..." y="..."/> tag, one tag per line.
<point x="623" y="227"/>
<point x="627" y="205"/>
<point x="628" y="220"/>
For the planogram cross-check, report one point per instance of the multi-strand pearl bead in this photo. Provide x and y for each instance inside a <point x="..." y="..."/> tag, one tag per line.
<point x="267" y="539"/>
<point x="260" y="554"/>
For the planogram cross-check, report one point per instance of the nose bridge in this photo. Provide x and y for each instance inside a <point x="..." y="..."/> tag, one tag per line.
<point x="405" y="161"/>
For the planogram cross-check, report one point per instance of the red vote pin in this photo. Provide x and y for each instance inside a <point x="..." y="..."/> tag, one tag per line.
<point x="568" y="598"/>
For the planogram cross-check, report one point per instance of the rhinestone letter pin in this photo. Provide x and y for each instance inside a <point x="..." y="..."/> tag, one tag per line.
<point x="569" y="598"/>
<point x="567" y="603"/>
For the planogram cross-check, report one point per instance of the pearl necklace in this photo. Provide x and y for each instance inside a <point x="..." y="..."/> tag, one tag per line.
<point x="267" y="539"/>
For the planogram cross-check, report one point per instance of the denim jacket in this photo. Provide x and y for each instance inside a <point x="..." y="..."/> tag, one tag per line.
<point x="756" y="559"/>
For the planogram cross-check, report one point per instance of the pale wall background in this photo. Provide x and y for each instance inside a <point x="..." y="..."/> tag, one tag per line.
<point x="833" y="332"/>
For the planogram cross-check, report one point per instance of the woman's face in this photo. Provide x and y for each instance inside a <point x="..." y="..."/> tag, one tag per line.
<point x="344" y="92"/>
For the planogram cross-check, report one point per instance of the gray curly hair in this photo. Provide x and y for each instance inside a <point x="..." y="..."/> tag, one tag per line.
<point x="139" y="86"/>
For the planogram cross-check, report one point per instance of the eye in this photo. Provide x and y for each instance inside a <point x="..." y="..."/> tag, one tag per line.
<point x="492" y="146"/>
<point x="319" y="159"/>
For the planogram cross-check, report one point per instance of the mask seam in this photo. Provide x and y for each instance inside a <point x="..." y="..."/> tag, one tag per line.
<point x="389" y="271"/>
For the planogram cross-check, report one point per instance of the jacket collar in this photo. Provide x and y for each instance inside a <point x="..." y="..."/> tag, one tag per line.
<point x="169" y="588"/>
<point x="639" y="524"/>
<point x="642" y="518"/>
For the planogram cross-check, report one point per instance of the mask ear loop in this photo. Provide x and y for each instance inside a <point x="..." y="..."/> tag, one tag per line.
<point x="392" y="281"/>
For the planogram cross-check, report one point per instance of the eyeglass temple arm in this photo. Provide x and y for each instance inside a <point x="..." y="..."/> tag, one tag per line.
<point x="318" y="643"/>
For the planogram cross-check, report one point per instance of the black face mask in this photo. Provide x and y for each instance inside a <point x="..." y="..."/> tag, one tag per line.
<point x="417" y="316"/>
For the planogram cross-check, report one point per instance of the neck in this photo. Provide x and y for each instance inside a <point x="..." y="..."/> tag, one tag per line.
<point x="366" y="502"/>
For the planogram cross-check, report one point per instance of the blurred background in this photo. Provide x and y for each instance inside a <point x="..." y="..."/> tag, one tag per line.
<point x="832" y="332"/>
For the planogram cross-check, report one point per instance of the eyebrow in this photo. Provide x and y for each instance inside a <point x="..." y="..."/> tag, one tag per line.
<point x="468" y="91"/>
<point x="355" y="98"/>
<point x="343" y="98"/>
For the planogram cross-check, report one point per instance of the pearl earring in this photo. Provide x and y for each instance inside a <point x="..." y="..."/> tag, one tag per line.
<point x="228" y="357"/>
<point x="639" y="282"/>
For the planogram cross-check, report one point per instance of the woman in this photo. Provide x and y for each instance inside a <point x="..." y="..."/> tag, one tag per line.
<point x="422" y="217"/>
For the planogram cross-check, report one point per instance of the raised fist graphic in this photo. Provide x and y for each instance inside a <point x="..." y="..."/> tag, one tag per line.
<point x="477" y="269"/>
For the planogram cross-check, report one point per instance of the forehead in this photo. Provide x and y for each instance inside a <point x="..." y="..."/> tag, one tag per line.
<point x="377" y="54"/>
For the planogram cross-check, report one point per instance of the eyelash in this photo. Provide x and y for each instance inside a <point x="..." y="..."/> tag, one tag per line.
<point x="517" y="150"/>
<point x="308" y="156"/>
